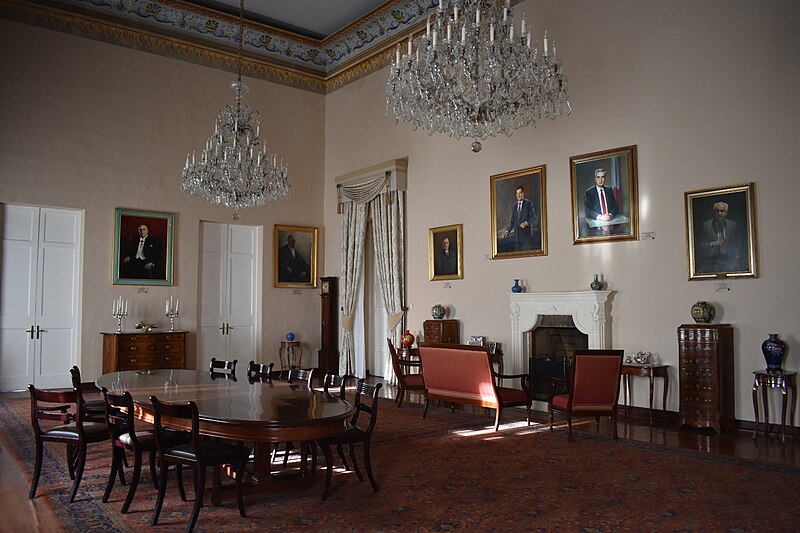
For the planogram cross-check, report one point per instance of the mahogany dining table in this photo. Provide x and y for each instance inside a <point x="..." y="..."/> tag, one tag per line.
<point x="236" y="409"/>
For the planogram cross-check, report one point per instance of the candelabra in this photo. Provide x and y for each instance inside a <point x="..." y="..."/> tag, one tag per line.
<point x="119" y="310"/>
<point x="171" y="312"/>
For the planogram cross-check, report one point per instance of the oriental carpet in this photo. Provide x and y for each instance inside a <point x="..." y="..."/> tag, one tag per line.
<point x="452" y="472"/>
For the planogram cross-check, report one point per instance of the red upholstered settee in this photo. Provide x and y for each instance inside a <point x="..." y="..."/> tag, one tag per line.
<point x="460" y="373"/>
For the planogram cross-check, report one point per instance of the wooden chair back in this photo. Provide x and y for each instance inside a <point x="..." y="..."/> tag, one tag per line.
<point x="297" y="375"/>
<point x="256" y="372"/>
<point x="222" y="369"/>
<point x="336" y="383"/>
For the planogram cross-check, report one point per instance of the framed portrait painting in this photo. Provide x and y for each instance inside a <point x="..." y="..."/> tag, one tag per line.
<point x="445" y="257"/>
<point x="295" y="256"/>
<point x="519" y="213"/>
<point x="605" y="204"/>
<point x="143" y="244"/>
<point x="721" y="232"/>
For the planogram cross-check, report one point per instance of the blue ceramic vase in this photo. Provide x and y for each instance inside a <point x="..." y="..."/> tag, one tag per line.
<point x="773" y="349"/>
<point x="516" y="287"/>
<point x="596" y="285"/>
<point x="290" y="336"/>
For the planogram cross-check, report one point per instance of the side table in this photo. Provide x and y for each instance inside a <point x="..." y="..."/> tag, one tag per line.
<point x="288" y="356"/>
<point x="649" y="371"/>
<point x="774" y="380"/>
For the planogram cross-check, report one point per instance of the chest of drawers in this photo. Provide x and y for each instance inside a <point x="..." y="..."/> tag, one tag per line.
<point x="141" y="351"/>
<point x="445" y="331"/>
<point x="706" y="376"/>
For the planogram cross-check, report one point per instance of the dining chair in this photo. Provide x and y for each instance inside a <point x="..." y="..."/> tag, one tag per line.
<point x="334" y="384"/>
<point x="120" y="420"/>
<point x="66" y="407"/>
<point x="406" y="380"/>
<point x="296" y="375"/>
<point x="222" y="369"/>
<point x="366" y="404"/>
<point x="593" y="390"/>
<point x="94" y="410"/>
<point x="198" y="453"/>
<point x="258" y="373"/>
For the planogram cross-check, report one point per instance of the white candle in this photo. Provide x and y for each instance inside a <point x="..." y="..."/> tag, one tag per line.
<point x="477" y="16"/>
<point x="409" y="45"/>
<point x="166" y="307"/>
<point x="491" y="32"/>
<point x="529" y="39"/>
<point x="463" y="34"/>
<point x="125" y="312"/>
<point x="554" y="48"/>
<point x="545" y="42"/>
<point x="397" y="56"/>
<point x="449" y="28"/>
<point x="113" y="307"/>
<point x="455" y="12"/>
<point x="511" y="33"/>
<point x="434" y="38"/>
<point x="177" y="305"/>
<point x="505" y="14"/>
<point x="522" y="26"/>
<point x="428" y="28"/>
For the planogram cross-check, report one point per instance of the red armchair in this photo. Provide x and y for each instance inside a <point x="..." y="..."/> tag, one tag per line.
<point x="593" y="391"/>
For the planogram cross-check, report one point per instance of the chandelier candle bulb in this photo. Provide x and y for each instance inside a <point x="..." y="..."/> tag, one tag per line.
<point x="434" y="38"/>
<point x="427" y="28"/>
<point x="477" y="16"/>
<point x="522" y="25"/>
<point x="449" y="28"/>
<point x="455" y="12"/>
<point x="529" y="39"/>
<point x="410" y="38"/>
<point x="463" y="34"/>
<point x="491" y="33"/>
<point x="545" y="43"/>
<point x="511" y="33"/>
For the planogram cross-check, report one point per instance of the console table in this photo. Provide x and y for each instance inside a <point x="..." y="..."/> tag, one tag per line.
<point x="288" y="356"/>
<point x="649" y="371"/>
<point x="774" y="380"/>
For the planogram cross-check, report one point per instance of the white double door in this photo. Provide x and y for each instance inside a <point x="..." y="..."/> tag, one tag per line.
<point x="230" y="293"/>
<point x="40" y="296"/>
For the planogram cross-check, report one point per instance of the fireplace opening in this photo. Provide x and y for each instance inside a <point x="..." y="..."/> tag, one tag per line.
<point x="551" y="346"/>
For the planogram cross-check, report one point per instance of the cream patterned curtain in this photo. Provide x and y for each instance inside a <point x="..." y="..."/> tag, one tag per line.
<point x="354" y="230"/>
<point x="388" y="227"/>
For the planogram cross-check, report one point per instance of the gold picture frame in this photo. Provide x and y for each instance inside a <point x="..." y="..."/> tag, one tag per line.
<point x="446" y="252"/>
<point x="515" y="233"/>
<point x="610" y="215"/>
<point x="294" y="256"/>
<point x="152" y="265"/>
<point x="721" y="232"/>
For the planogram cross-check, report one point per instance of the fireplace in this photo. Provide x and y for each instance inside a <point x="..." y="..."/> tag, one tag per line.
<point x="550" y="348"/>
<point x="587" y="311"/>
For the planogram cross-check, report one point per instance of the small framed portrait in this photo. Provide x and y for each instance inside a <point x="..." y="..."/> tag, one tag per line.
<point x="721" y="232"/>
<point x="477" y="340"/>
<point x="143" y="244"/>
<point x="295" y="256"/>
<point x="445" y="256"/>
<point x="605" y="204"/>
<point x="519" y="213"/>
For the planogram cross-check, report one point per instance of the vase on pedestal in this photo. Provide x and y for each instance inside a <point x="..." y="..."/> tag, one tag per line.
<point x="516" y="288"/>
<point x="773" y="349"/>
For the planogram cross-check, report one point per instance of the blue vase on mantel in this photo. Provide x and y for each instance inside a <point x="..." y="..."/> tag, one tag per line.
<point x="773" y="349"/>
<point x="516" y="288"/>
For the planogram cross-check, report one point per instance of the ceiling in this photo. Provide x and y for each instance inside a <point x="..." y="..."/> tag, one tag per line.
<point x="318" y="45"/>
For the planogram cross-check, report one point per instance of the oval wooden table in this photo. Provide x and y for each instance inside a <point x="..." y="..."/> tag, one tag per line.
<point x="236" y="409"/>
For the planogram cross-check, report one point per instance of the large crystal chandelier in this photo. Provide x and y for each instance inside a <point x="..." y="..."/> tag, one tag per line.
<point x="474" y="74"/>
<point x="235" y="169"/>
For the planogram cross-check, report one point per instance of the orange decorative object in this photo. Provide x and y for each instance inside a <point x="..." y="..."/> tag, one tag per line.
<point x="407" y="340"/>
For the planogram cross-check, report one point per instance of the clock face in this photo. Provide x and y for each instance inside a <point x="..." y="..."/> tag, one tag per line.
<point x="325" y="287"/>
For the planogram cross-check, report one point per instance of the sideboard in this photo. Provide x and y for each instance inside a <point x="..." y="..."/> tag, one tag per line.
<point x="141" y="351"/>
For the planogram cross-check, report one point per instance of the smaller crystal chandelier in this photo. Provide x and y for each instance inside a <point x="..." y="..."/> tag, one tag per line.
<point x="235" y="169"/>
<point x="473" y="76"/>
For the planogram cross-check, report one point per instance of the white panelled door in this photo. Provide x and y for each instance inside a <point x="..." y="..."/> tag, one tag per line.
<point x="40" y="297"/>
<point x="230" y="293"/>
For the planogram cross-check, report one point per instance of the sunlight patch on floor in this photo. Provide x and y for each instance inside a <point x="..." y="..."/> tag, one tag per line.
<point x="521" y="428"/>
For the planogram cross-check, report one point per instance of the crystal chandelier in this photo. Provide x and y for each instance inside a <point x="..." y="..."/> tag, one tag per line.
<point x="475" y="75"/>
<point x="235" y="169"/>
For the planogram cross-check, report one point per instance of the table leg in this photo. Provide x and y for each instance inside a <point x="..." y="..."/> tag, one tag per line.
<point x="625" y="379"/>
<point x="755" y="406"/>
<point x="765" y="400"/>
<point x="783" y="411"/>
<point x="650" y="376"/>
<point x="664" y="398"/>
<point x="262" y="460"/>
<point x="793" y="387"/>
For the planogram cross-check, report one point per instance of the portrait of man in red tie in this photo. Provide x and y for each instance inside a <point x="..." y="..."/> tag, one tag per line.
<point x="600" y="204"/>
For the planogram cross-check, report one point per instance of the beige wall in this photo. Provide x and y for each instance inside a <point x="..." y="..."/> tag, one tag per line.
<point x="709" y="93"/>
<point x="93" y="126"/>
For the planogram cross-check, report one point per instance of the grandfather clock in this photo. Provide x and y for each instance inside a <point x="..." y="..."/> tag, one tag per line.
<point x="329" y="352"/>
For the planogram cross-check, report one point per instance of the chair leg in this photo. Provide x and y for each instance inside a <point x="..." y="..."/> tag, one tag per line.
<point x="78" y="471"/>
<point x="528" y="414"/>
<point x="153" y="474"/>
<point x="614" y="424"/>
<point x="551" y="420"/>
<point x="179" y="475"/>
<point x="37" y="469"/>
<point x="112" y="475"/>
<point x="289" y="447"/>
<point x="199" y="489"/>
<point x="239" y="495"/>
<point x="355" y="463"/>
<point x="162" y="490"/>
<point x="326" y="450"/>
<point x="569" y="426"/>
<point x="342" y="457"/>
<point x="137" y="472"/>
<point x="497" y="418"/>
<point x="368" y="466"/>
<point x="71" y="460"/>
<point x="425" y="412"/>
<point x="401" y="392"/>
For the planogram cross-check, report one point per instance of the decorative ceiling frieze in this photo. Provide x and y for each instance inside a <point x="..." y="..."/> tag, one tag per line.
<point x="186" y="31"/>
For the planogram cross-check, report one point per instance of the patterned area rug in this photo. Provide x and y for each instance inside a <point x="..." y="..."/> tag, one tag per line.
<point x="452" y="472"/>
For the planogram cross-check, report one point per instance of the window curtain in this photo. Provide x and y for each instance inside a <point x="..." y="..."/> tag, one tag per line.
<point x="387" y="231"/>
<point x="388" y="217"/>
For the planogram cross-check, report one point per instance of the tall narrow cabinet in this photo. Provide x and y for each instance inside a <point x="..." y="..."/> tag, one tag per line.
<point x="706" y="376"/>
<point x="329" y="350"/>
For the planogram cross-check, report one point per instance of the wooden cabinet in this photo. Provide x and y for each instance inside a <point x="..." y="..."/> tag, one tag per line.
<point x="706" y="376"/>
<point x="440" y="331"/>
<point x="141" y="351"/>
<point x="329" y="350"/>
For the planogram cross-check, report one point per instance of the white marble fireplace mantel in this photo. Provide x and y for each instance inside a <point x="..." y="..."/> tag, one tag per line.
<point x="588" y="310"/>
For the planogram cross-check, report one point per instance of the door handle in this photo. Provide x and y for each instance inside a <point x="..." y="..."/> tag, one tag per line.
<point x="30" y="331"/>
<point x="230" y="328"/>
<point x="39" y="330"/>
